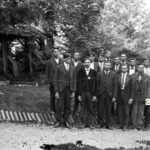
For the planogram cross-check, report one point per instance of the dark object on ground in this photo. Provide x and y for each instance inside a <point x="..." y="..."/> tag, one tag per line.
<point x="68" y="146"/>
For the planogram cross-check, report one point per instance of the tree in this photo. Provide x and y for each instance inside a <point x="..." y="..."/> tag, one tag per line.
<point x="124" y="24"/>
<point x="77" y="20"/>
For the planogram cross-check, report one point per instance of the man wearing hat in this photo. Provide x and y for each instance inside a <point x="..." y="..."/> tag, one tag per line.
<point x="65" y="87"/>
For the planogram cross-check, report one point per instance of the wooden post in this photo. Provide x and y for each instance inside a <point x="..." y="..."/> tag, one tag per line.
<point x="4" y="54"/>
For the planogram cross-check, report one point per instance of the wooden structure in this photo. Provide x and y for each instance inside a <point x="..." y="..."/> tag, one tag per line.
<point x="29" y="35"/>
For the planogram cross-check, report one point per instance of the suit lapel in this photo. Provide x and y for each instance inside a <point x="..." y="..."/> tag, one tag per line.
<point x="127" y="80"/>
<point x="64" y="69"/>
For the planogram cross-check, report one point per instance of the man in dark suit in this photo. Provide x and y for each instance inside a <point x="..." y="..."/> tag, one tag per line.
<point x="123" y="58"/>
<point x="78" y="65"/>
<point x="65" y="87"/>
<point x="132" y="68"/>
<point x="116" y="65"/>
<point x="147" y="66"/>
<point x="105" y="92"/>
<point x="124" y="94"/>
<point x="50" y="71"/>
<point x="94" y="65"/>
<point x="141" y="93"/>
<point x="87" y="91"/>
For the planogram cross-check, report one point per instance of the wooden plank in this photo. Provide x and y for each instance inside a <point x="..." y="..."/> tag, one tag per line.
<point x="20" y="116"/>
<point x="29" y="117"/>
<point x="11" y="115"/>
<point x="16" y="116"/>
<point x="24" y="115"/>
<point x="3" y="115"/>
<point x="37" y="117"/>
<point x="41" y="117"/>
<point x="7" y="114"/>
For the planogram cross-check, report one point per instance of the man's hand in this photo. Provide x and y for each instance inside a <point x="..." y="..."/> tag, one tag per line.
<point x="57" y="95"/>
<point x="72" y="95"/>
<point x="94" y="98"/>
<point x="114" y="100"/>
<point x="79" y="98"/>
<point x="130" y="101"/>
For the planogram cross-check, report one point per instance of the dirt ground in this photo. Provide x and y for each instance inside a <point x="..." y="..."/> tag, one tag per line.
<point x="31" y="137"/>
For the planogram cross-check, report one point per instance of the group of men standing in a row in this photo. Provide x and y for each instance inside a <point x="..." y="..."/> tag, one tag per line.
<point x="99" y="87"/>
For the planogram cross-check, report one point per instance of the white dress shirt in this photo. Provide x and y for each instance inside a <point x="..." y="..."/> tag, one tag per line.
<point x="66" y="66"/>
<point x="123" y="80"/>
<point x="92" y="65"/>
<point x="87" y="70"/>
<point x="107" y="72"/>
<point x="117" y="67"/>
<point x="131" y="70"/>
<point x="101" y="64"/>
<point x="147" y="70"/>
<point x="57" y="60"/>
<point x="75" y="63"/>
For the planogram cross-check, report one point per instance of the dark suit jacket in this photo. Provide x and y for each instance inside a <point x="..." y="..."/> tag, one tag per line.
<point x="83" y="79"/>
<point x="61" y="78"/>
<point x="77" y="69"/>
<point x="96" y="67"/>
<point x="106" y="82"/>
<point x="128" y="90"/>
<point x="79" y="65"/>
<point x="145" y="86"/>
<point x="50" y="69"/>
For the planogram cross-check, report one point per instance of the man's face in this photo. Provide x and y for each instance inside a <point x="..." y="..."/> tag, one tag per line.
<point x="61" y="56"/>
<point x="101" y="58"/>
<point x="76" y="56"/>
<point x="124" y="69"/>
<point x="107" y="66"/>
<point x="146" y="63"/>
<point x="117" y="60"/>
<point x="91" y="58"/>
<point x="123" y="57"/>
<point x="132" y="62"/>
<point x="108" y="54"/>
<point x="141" y="68"/>
<point x="87" y="63"/>
<point x="56" y="52"/>
<point x="67" y="60"/>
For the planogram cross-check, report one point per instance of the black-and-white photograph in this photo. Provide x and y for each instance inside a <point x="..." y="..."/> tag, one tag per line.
<point x="74" y="74"/>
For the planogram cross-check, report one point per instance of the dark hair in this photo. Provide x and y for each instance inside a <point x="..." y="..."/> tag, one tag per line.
<point x="66" y="55"/>
<point x="92" y="53"/>
<point x="106" y="62"/>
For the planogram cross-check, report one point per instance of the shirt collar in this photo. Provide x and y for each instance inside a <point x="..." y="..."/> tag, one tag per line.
<point x="87" y="69"/>
<point x="124" y="74"/>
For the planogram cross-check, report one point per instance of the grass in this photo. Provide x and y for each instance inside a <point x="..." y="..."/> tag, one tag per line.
<point x="25" y="98"/>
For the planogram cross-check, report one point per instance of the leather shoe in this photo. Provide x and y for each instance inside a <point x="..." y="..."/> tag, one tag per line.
<point x="66" y="125"/>
<point x="109" y="127"/>
<point x="57" y="125"/>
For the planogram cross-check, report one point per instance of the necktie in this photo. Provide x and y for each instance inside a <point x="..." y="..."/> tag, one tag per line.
<point x="122" y="81"/>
